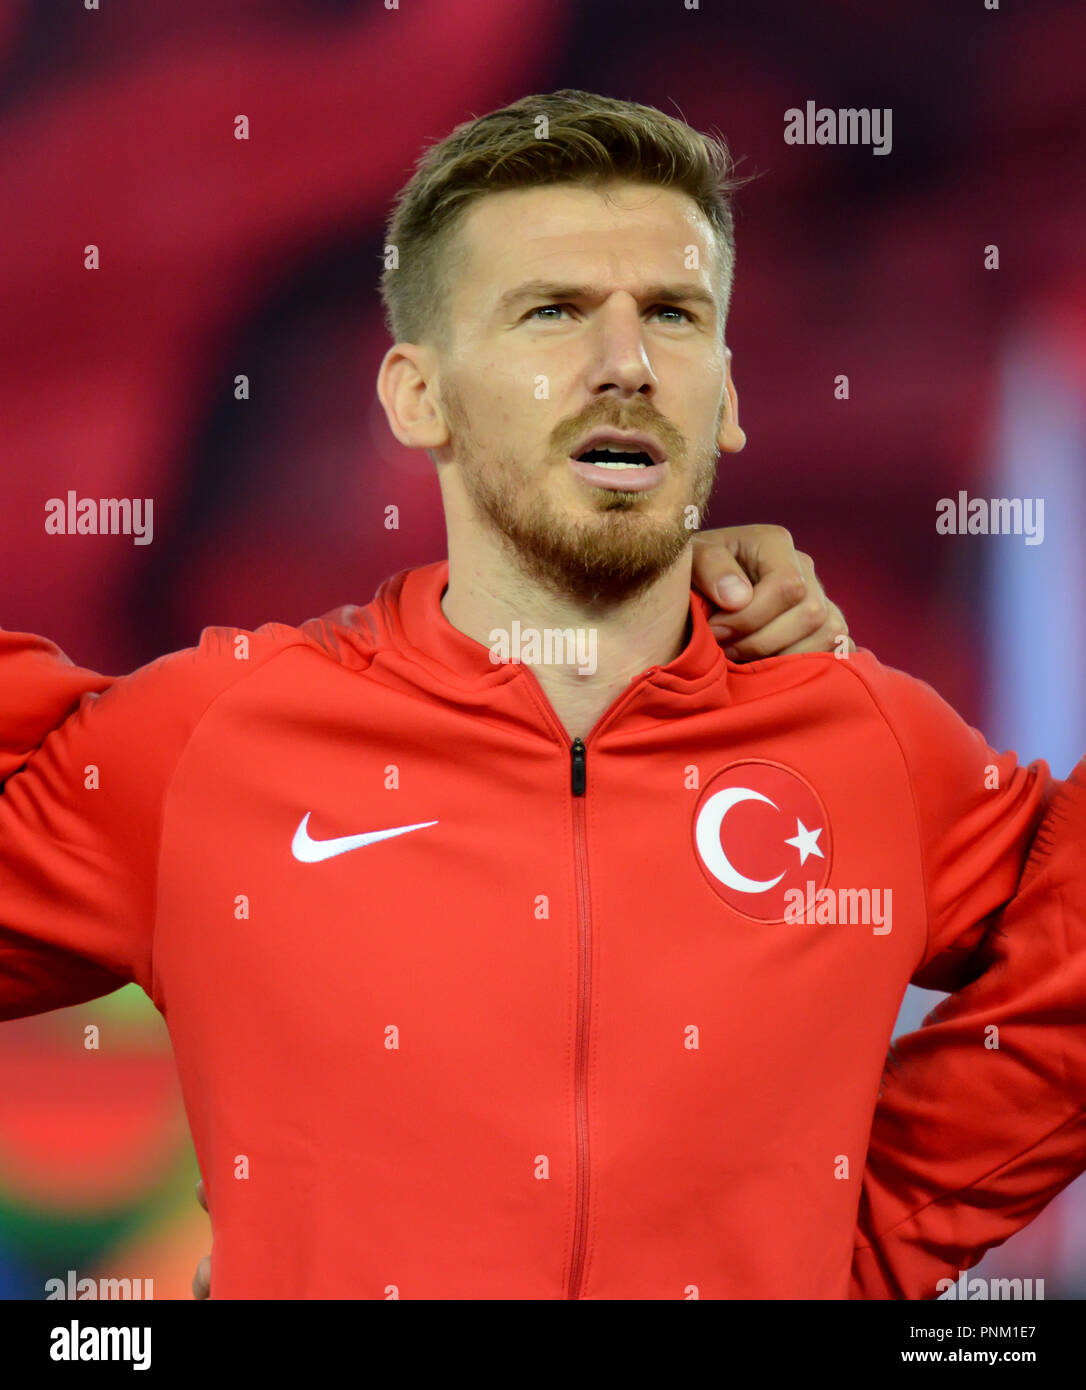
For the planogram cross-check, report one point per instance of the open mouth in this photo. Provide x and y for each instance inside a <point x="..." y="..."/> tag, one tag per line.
<point x="620" y="470"/>
<point x="618" y="459"/>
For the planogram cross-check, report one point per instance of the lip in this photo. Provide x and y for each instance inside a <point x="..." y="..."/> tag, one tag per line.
<point x="638" y="442"/>
<point x="622" y="480"/>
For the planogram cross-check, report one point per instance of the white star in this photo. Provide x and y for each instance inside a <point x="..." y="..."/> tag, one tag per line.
<point x="806" y="841"/>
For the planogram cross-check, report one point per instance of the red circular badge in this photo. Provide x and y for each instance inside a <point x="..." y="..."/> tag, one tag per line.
<point x="761" y="832"/>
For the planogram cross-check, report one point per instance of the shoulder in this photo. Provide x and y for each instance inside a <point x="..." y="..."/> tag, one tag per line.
<point x="910" y="706"/>
<point x="160" y="704"/>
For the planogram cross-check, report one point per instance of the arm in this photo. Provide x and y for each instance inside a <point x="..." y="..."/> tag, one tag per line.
<point x="968" y="1140"/>
<point x="39" y="689"/>
<point x="78" y="848"/>
<point x="982" y="1117"/>
<point x="80" y="825"/>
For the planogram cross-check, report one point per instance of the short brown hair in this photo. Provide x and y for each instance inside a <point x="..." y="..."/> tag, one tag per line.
<point x="590" y="139"/>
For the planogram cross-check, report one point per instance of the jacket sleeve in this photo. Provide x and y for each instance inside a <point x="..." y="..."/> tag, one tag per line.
<point x="977" y="1123"/>
<point x="80" y="823"/>
<point x="982" y="1118"/>
<point x="39" y="689"/>
<point x="976" y="813"/>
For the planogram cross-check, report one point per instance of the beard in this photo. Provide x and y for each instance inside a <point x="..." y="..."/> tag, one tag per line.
<point x="613" y="554"/>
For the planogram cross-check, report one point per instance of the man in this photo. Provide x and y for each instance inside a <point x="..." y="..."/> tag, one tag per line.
<point x="489" y="979"/>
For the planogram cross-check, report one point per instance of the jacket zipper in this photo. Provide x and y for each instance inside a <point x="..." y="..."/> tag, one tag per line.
<point x="580" y="1229"/>
<point x="578" y="781"/>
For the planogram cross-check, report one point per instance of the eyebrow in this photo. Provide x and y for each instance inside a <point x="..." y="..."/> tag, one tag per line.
<point x="552" y="291"/>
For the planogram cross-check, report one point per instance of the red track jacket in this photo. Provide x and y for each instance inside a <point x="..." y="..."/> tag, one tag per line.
<point x="463" y="1011"/>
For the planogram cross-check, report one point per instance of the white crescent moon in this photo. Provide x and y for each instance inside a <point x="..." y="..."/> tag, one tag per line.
<point x="707" y="837"/>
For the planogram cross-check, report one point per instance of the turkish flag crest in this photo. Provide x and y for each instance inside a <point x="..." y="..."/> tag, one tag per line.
<point x="760" y="829"/>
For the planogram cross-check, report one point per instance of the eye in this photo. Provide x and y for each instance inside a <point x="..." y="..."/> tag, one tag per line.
<point x="532" y="312"/>
<point x="660" y="309"/>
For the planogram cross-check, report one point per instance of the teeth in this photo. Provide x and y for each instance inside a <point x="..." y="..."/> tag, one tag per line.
<point x="622" y="452"/>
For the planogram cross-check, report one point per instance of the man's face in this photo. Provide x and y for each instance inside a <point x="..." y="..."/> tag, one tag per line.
<point x="531" y="372"/>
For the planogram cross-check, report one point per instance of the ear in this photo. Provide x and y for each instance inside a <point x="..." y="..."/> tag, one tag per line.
<point x="410" y="404"/>
<point x="730" y="438"/>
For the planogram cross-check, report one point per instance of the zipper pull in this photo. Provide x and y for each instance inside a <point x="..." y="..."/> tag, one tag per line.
<point x="579" y="774"/>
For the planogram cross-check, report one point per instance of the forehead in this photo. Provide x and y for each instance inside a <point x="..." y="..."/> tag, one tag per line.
<point x="620" y="233"/>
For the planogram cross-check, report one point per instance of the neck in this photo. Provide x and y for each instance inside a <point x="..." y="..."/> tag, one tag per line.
<point x="615" y="642"/>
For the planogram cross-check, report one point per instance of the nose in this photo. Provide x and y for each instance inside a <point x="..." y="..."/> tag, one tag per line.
<point x="620" y="363"/>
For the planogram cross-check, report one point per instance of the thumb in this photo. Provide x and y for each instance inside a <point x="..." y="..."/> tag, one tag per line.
<point x="719" y="575"/>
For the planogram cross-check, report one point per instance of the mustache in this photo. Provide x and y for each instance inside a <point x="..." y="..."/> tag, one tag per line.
<point x="662" y="429"/>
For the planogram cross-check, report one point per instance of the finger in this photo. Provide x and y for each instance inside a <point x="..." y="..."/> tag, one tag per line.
<point x="833" y="637"/>
<point x="799" y="624"/>
<point x="766" y="555"/>
<point x="773" y="639"/>
<point x="829" y="645"/>
<point x="774" y="596"/>
<point x="780" y="612"/>
<point x="201" y="1280"/>
<point x="719" y="575"/>
<point x="201" y="1195"/>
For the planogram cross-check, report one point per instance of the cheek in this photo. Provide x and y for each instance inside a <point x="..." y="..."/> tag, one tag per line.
<point x="496" y="394"/>
<point x="507" y="407"/>
<point x="508" y="411"/>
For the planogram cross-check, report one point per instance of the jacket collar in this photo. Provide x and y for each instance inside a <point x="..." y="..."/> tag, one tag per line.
<point x="405" y="616"/>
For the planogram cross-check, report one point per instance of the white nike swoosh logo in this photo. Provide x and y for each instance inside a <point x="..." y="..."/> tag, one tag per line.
<point x="311" y="851"/>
